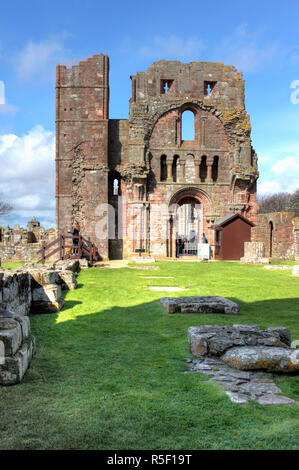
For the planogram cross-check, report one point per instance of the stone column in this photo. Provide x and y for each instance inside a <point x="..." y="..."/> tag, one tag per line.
<point x="182" y="168"/>
<point x="203" y="131"/>
<point x="169" y="169"/>
<point x="197" y="165"/>
<point x="209" y="170"/>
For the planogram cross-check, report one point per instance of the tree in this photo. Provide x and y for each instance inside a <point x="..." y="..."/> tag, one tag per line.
<point x="277" y="202"/>
<point x="5" y="208"/>
<point x="294" y="203"/>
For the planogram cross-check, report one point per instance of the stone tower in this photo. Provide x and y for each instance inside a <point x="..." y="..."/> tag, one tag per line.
<point x="82" y="113"/>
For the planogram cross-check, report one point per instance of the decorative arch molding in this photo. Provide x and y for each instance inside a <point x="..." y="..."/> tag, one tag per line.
<point x="195" y="193"/>
<point x="232" y="124"/>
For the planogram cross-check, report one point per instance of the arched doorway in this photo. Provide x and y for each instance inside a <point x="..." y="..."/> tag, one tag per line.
<point x="271" y="238"/>
<point x="186" y="222"/>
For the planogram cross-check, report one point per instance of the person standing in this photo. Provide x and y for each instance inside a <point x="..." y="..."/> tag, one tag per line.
<point x="204" y="239"/>
<point x="75" y="234"/>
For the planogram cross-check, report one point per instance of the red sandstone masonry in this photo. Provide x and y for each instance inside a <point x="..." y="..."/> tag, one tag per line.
<point x="92" y="151"/>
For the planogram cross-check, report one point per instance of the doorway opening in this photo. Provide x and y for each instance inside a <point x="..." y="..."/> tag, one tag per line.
<point x="271" y="237"/>
<point x="188" y="226"/>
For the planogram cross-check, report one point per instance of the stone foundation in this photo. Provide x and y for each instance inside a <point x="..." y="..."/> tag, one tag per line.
<point x="237" y="356"/>
<point x="18" y="347"/>
<point x="254" y="253"/>
<point x="30" y="289"/>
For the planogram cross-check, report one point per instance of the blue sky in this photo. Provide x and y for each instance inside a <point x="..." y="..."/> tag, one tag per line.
<point x="259" y="37"/>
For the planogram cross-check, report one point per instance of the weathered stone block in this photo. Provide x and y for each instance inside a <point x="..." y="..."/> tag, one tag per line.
<point x="19" y="346"/>
<point x="200" y="304"/>
<point x="284" y="333"/>
<point x="295" y="271"/>
<point x="214" y="340"/>
<point x="67" y="280"/>
<point x="47" y="299"/>
<point x="10" y="335"/>
<point x="279" y="267"/>
<point x="265" y="358"/>
<point x="229" y="369"/>
<point x="15" y="366"/>
<point x="42" y="277"/>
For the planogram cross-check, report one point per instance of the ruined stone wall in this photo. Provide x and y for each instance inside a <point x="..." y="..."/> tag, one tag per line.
<point x="296" y="237"/>
<point x="27" y="290"/>
<point x="278" y="229"/>
<point x="222" y="131"/>
<point x="20" y="244"/>
<point x="82" y="100"/>
<point x="218" y="168"/>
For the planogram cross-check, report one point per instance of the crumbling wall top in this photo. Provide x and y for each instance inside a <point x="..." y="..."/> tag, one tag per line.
<point x="213" y="83"/>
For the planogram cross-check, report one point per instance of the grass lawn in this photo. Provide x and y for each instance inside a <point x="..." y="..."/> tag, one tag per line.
<point x="108" y="368"/>
<point x="8" y="265"/>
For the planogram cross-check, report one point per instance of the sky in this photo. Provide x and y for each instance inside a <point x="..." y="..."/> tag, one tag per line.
<point x="260" y="38"/>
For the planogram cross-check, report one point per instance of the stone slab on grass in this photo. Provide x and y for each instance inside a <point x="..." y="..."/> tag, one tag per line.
<point x="274" y="359"/>
<point x="295" y="270"/>
<point x="253" y="385"/>
<point x="272" y="399"/>
<point x="143" y="260"/>
<point x="147" y="267"/>
<point x="200" y="304"/>
<point x="166" y="288"/>
<point x="156" y="277"/>
<point x="215" y="340"/>
<point x="238" y="357"/>
<point x="278" y="267"/>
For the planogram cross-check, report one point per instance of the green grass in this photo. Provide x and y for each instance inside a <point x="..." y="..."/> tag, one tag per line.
<point x="108" y="368"/>
<point x="284" y="261"/>
<point x="11" y="265"/>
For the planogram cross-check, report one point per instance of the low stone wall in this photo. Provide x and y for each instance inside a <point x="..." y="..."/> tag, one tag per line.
<point x="28" y="290"/>
<point x="16" y="253"/>
<point x="280" y="233"/>
<point x="23" y="244"/>
<point x="254" y="253"/>
<point x="15" y="292"/>
<point x="17" y="347"/>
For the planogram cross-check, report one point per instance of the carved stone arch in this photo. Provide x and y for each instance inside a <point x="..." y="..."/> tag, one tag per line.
<point x="183" y="104"/>
<point x="187" y="220"/>
<point x="198" y="194"/>
<point x="189" y="106"/>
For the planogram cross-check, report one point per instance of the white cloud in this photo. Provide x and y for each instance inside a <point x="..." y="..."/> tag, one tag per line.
<point x="269" y="187"/>
<point x="283" y="175"/>
<point x="39" y="59"/>
<point x="173" y="47"/>
<point x="287" y="166"/>
<point x="27" y="177"/>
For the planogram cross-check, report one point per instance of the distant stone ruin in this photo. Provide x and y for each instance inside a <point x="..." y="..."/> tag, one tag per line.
<point x="23" y="244"/>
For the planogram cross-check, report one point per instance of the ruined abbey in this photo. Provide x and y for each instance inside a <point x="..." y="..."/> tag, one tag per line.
<point x="137" y="184"/>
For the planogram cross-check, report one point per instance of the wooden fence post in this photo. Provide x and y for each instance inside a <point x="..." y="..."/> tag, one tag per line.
<point x="44" y="253"/>
<point x="80" y="247"/>
<point x="62" y="247"/>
